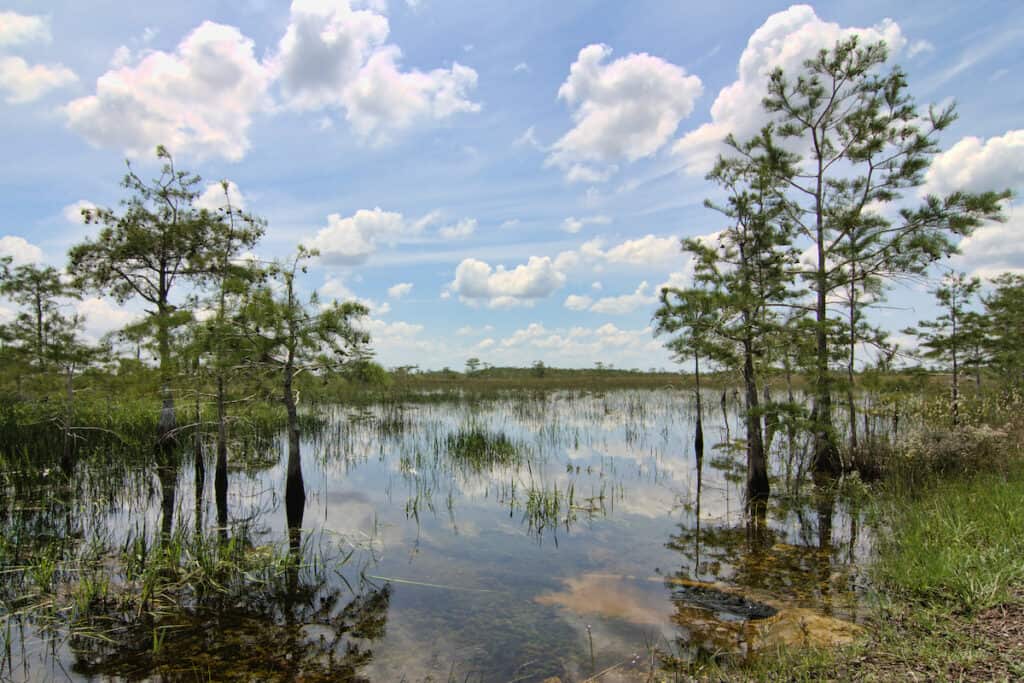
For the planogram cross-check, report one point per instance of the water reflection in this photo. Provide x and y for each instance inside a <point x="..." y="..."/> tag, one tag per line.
<point x="543" y="553"/>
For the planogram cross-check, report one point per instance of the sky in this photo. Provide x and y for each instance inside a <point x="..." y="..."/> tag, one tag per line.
<point x="506" y="181"/>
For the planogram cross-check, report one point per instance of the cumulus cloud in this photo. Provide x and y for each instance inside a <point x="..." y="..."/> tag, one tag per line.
<point x="399" y="290"/>
<point x="464" y="228"/>
<point x="994" y="248"/>
<point x="213" y="197"/>
<point x="383" y="100"/>
<point x="645" y="251"/>
<point x="350" y="240"/>
<point x="323" y="49"/>
<point x="102" y="317"/>
<point x="19" y="29"/>
<point x="640" y="299"/>
<point x="623" y="110"/>
<point x="20" y="250"/>
<point x="498" y="287"/>
<point x="73" y="212"/>
<point x="335" y="289"/>
<point x="573" y="225"/>
<point x="786" y="39"/>
<point x="976" y="165"/>
<point x="648" y="251"/>
<point x="23" y="82"/>
<point x="577" y="302"/>
<point x="199" y="98"/>
<point x="579" y="346"/>
<point x="333" y="55"/>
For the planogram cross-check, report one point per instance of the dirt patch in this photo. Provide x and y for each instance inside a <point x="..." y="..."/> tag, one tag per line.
<point x="999" y="633"/>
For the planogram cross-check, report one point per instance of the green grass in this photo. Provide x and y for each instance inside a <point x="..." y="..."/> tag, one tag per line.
<point x="958" y="542"/>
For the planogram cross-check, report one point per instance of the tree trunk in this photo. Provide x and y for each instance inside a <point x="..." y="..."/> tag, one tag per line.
<point x="220" y="477"/>
<point x="40" y="341"/>
<point x="168" y="421"/>
<point x="757" y="469"/>
<point x="295" y="488"/>
<point x="698" y="437"/>
<point x="69" y="416"/>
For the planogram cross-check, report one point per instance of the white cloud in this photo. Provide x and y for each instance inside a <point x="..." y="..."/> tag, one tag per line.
<point x="582" y="173"/>
<point x="322" y="50"/>
<point x="623" y="110"/>
<point x="213" y="197"/>
<point x="24" y="83"/>
<point x="521" y="67"/>
<point x="20" y="250"/>
<point x="122" y="57"/>
<point x="18" y="29"/>
<point x="919" y="47"/>
<point x="102" y="317"/>
<point x="580" y="346"/>
<point x="528" y="139"/>
<point x="332" y="55"/>
<point x="577" y="302"/>
<point x="335" y="289"/>
<point x="786" y="39"/>
<point x="464" y="228"/>
<point x="383" y="100"/>
<point x="485" y="344"/>
<point x="627" y="303"/>
<point x="73" y="212"/>
<point x="469" y="330"/>
<point x="199" y="98"/>
<point x="646" y="251"/>
<point x="573" y="225"/>
<point x="477" y="281"/>
<point x="399" y="290"/>
<point x="351" y="239"/>
<point x="994" y="248"/>
<point x="974" y="165"/>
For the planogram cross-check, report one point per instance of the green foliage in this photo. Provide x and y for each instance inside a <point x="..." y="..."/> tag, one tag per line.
<point x="958" y="541"/>
<point x="1004" y="313"/>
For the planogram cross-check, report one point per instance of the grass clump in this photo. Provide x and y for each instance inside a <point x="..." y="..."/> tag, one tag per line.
<point x="957" y="541"/>
<point x="478" y="447"/>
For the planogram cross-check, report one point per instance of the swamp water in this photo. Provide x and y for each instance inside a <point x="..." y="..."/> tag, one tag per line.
<point x="559" y="535"/>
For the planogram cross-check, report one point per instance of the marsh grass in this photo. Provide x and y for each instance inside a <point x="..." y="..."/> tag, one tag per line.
<point x="955" y="541"/>
<point x="481" y="448"/>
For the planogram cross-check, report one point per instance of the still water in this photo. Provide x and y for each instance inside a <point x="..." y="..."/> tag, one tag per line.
<point x="591" y="544"/>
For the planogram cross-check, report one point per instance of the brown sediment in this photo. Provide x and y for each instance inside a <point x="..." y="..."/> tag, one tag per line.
<point x="611" y="596"/>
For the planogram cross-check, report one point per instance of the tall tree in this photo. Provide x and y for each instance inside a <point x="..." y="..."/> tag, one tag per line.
<point x="1004" y="309"/>
<point x="158" y="238"/>
<point x="946" y="338"/>
<point x="38" y="290"/>
<point x="690" y="316"/>
<point x="288" y="337"/>
<point x="227" y="275"/>
<point x="861" y="145"/>
<point x="748" y="269"/>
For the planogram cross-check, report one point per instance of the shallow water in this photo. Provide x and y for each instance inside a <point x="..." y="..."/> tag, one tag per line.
<point x="594" y="550"/>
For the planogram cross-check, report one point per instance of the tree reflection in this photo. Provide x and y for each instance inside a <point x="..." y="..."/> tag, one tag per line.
<point x="289" y="622"/>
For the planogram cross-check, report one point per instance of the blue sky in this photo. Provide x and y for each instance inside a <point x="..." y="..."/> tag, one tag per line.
<point x="501" y="180"/>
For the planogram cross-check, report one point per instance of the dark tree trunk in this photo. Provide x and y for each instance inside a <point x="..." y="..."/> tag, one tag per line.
<point x="199" y="466"/>
<point x="168" y="475"/>
<point x="220" y="477"/>
<point x="757" y="469"/>
<point x="168" y="422"/>
<point x="67" y="457"/>
<point x="698" y="437"/>
<point x="295" y="488"/>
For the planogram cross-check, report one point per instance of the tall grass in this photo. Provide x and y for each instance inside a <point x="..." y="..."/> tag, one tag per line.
<point x="956" y="542"/>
